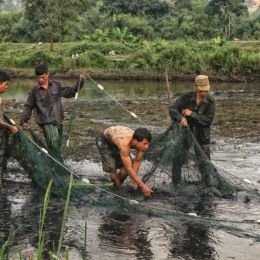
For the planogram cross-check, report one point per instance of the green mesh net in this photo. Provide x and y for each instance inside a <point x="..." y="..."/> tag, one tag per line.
<point x="174" y="158"/>
<point x="173" y="162"/>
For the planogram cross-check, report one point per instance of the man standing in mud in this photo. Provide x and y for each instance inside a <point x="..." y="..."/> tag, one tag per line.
<point x="45" y="100"/>
<point x="114" y="145"/>
<point x="5" y="128"/>
<point x="196" y="110"/>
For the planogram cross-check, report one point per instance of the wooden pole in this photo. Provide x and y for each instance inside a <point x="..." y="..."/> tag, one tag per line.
<point x="167" y="85"/>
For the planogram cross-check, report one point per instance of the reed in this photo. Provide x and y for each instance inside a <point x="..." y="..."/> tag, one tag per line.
<point x="42" y="221"/>
<point x="4" y="249"/>
<point x="65" y="214"/>
<point x="85" y="243"/>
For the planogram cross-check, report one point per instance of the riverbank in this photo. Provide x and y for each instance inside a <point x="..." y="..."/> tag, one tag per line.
<point x="123" y="75"/>
<point x="232" y="61"/>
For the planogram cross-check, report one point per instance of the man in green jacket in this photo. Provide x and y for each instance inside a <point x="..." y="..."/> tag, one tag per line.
<point x="196" y="109"/>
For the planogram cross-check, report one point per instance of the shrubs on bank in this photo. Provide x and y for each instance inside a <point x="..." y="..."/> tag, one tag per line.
<point x="183" y="58"/>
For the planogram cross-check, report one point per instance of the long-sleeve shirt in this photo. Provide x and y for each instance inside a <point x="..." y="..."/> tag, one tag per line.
<point x="201" y="117"/>
<point x="46" y="103"/>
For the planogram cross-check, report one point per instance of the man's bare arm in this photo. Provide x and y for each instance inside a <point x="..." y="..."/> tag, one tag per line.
<point x="13" y="129"/>
<point x="124" y="153"/>
<point x="137" y="161"/>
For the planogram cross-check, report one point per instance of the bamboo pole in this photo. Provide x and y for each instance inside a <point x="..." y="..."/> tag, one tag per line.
<point x="167" y="85"/>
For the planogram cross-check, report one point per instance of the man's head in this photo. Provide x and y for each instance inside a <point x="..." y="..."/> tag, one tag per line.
<point x="142" y="138"/>
<point x="4" y="81"/>
<point x="202" y="84"/>
<point x="42" y="74"/>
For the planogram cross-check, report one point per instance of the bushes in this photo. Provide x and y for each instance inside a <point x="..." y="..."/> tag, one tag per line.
<point x="250" y="63"/>
<point x="96" y="60"/>
<point x="90" y="59"/>
<point x="226" y="60"/>
<point x="102" y="47"/>
<point x="141" y="60"/>
<point x="36" y="58"/>
<point x="183" y="58"/>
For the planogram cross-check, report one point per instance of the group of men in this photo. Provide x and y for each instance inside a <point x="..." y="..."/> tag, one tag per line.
<point x="195" y="109"/>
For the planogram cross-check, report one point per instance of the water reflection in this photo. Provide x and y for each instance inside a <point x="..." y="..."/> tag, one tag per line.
<point x="19" y="88"/>
<point x="136" y="236"/>
<point x="126" y="233"/>
<point x="194" y="241"/>
<point x="20" y="207"/>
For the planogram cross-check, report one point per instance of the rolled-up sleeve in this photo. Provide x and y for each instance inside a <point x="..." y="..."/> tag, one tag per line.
<point x="69" y="92"/>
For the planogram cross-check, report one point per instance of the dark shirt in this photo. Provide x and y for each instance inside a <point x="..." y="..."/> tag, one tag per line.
<point x="46" y="103"/>
<point x="202" y="114"/>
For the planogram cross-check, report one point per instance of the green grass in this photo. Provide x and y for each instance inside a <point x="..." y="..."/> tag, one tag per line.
<point x="240" y="58"/>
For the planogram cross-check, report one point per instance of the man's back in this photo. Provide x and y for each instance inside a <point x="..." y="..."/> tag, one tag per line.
<point x="121" y="136"/>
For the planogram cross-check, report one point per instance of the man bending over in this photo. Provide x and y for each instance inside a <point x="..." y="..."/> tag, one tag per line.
<point x="114" y="145"/>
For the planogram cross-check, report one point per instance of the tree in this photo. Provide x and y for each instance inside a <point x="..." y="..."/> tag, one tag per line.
<point x="50" y="20"/>
<point x="226" y="13"/>
<point x="188" y="20"/>
<point x="154" y="8"/>
<point x="8" y="23"/>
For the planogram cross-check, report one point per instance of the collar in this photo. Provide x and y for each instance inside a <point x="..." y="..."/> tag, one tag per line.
<point x="40" y="86"/>
<point x="205" y="99"/>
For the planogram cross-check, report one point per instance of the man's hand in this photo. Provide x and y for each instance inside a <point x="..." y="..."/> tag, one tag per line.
<point x="184" y="122"/>
<point x="25" y="126"/>
<point x="147" y="191"/>
<point x="13" y="129"/>
<point x="83" y="75"/>
<point x="186" y="112"/>
<point x="134" y="185"/>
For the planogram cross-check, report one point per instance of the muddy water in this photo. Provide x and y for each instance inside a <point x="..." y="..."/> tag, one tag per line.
<point x="123" y="234"/>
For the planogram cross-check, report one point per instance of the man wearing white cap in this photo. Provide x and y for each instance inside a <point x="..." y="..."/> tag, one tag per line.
<point x="196" y="109"/>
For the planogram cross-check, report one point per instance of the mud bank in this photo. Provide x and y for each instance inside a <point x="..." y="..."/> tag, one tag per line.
<point x="237" y="116"/>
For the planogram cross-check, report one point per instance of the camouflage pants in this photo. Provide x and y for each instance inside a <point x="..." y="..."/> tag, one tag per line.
<point x="10" y="146"/>
<point x="53" y="135"/>
<point x="3" y="152"/>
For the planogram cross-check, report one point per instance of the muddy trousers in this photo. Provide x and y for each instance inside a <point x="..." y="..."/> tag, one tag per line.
<point x="10" y="146"/>
<point x="53" y="135"/>
<point x="3" y="153"/>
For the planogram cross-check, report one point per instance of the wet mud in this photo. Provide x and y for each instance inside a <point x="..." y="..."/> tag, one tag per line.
<point x="237" y="116"/>
<point x="130" y="234"/>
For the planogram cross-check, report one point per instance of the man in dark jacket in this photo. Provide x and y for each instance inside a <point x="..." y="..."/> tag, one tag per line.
<point x="45" y="100"/>
<point x="196" y="110"/>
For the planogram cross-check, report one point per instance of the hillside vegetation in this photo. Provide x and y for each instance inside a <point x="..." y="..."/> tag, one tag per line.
<point x="145" y="59"/>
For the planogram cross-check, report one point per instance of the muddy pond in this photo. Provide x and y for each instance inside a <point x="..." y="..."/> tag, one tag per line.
<point x="114" y="233"/>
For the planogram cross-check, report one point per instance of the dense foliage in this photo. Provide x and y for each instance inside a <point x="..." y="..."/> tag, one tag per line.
<point x="185" y="36"/>
<point x="218" y="58"/>
<point x="67" y="20"/>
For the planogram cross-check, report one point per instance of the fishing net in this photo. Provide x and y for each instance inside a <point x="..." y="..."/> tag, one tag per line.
<point x="173" y="163"/>
<point x="174" y="159"/>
